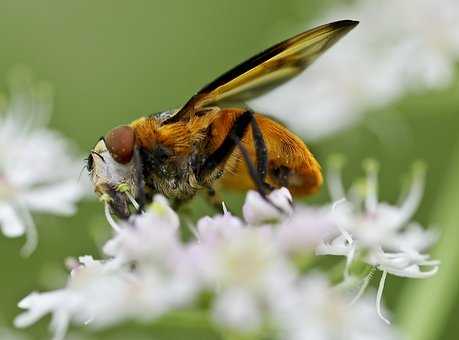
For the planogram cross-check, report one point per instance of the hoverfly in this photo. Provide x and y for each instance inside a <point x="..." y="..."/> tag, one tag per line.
<point x="200" y="145"/>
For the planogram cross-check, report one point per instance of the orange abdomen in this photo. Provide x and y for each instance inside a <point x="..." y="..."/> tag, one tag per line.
<point x="290" y="163"/>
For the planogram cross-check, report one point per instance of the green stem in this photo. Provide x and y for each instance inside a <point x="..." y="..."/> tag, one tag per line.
<point x="426" y="305"/>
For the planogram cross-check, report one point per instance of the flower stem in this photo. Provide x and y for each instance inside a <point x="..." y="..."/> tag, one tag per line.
<point x="426" y="305"/>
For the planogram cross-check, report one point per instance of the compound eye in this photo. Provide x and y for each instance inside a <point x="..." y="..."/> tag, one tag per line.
<point x="120" y="143"/>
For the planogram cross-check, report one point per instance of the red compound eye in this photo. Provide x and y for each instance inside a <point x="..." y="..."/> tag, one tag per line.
<point x="120" y="143"/>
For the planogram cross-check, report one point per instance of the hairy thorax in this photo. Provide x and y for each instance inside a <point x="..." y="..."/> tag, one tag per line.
<point x="170" y="156"/>
<point x="173" y="177"/>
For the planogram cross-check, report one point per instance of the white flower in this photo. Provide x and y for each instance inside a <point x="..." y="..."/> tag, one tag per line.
<point x="102" y="293"/>
<point x="304" y="229"/>
<point x="390" y="53"/>
<point x="320" y="312"/>
<point x="147" y="276"/>
<point x="151" y="236"/>
<point x="377" y="233"/>
<point x="252" y="280"/>
<point x="246" y="271"/>
<point x="217" y="227"/>
<point x="243" y="260"/>
<point x="61" y="303"/>
<point x="257" y="210"/>
<point x="151" y="243"/>
<point x="38" y="168"/>
<point x="338" y="245"/>
<point x="237" y="309"/>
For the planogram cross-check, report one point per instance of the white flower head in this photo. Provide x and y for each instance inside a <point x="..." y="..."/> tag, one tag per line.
<point x="103" y="293"/>
<point x="38" y="168"/>
<point x="63" y="304"/>
<point x="151" y="236"/>
<point x="305" y="228"/>
<point x="317" y="310"/>
<point x="217" y="227"/>
<point x="379" y="234"/>
<point x="245" y="273"/>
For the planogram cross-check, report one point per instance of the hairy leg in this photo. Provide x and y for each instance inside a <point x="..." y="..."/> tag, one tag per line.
<point x="257" y="172"/>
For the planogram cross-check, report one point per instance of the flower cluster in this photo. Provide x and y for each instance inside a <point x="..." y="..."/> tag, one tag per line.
<point x="398" y="47"/>
<point x="378" y="233"/>
<point x="254" y="273"/>
<point x="38" y="167"/>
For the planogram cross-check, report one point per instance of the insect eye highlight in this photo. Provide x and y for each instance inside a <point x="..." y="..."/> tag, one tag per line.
<point x="120" y="142"/>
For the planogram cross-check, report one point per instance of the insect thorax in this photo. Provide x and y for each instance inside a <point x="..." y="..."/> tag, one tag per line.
<point x="162" y="116"/>
<point x="172" y="176"/>
<point x="175" y="175"/>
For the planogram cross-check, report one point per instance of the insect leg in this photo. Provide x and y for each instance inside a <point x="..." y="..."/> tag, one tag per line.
<point x="260" y="149"/>
<point x="262" y="187"/>
<point x="230" y="142"/>
<point x="254" y="174"/>
<point x="261" y="153"/>
<point x="259" y="173"/>
<point x="233" y="139"/>
<point x="139" y="180"/>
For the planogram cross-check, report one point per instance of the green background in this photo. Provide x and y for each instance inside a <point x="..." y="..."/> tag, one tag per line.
<point x="112" y="61"/>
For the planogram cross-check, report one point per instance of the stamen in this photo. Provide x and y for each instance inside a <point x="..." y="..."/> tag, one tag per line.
<point x="364" y="285"/>
<point x="193" y="230"/>
<point x="371" y="196"/>
<point x="31" y="233"/>
<point x="335" y="181"/>
<point x="358" y="193"/>
<point x="379" y="297"/>
<point x="342" y="230"/>
<point x="338" y="202"/>
<point x="349" y="259"/>
<point x="413" y="198"/>
<point x="225" y="210"/>
<point x="110" y="219"/>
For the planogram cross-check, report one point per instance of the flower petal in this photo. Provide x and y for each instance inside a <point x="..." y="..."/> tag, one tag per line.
<point x="256" y="210"/>
<point x="57" y="198"/>
<point x="10" y="222"/>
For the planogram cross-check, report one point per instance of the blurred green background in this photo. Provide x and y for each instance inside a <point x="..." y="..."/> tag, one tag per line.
<point x="111" y="62"/>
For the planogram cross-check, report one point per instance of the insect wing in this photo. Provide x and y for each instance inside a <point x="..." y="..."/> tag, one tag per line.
<point x="269" y="68"/>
